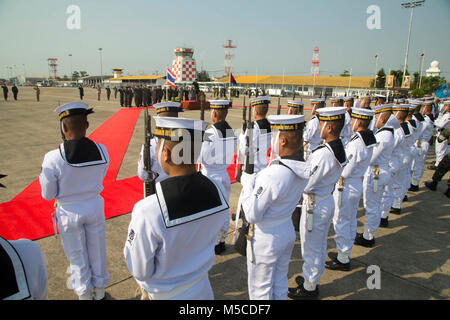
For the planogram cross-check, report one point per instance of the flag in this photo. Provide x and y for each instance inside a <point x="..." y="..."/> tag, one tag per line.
<point x="171" y="78"/>
<point x="389" y="81"/>
<point x="421" y="56"/>
<point x="442" y="92"/>
<point x="406" y="82"/>
<point x="232" y="79"/>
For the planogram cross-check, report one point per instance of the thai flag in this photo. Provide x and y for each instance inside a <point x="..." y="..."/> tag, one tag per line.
<point x="232" y="80"/>
<point x="171" y="78"/>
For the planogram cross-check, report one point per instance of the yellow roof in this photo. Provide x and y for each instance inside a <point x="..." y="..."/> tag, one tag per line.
<point x="154" y="77"/>
<point x="321" y="81"/>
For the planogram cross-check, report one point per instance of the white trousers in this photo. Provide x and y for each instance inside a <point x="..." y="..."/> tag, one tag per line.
<point x="223" y="180"/>
<point x="268" y="275"/>
<point x="82" y="230"/>
<point x="441" y="150"/>
<point x="344" y="219"/>
<point x="387" y="199"/>
<point x="314" y="243"/>
<point x="418" y="164"/>
<point x="372" y="200"/>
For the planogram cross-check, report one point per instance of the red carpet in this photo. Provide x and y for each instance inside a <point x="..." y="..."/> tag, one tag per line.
<point x="28" y="215"/>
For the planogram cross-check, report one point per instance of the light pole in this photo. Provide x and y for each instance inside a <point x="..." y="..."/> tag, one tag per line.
<point x="411" y="5"/>
<point x="421" y="64"/>
<point x="376" y="69"/>
<point x="101" y="65"/>
<point x="71" y="73"/>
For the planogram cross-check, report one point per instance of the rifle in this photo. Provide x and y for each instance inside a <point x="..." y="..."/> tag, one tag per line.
<point x="149" y="183"/>
<point x="249" y="159"/>
<point x="238" y="173"/>
<point x="246" y="231"/>
<point x="202" y="109"/>
<point x="279" y="106"/>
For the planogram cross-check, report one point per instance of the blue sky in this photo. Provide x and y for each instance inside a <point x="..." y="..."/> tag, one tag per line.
<point x="271" y="36"/>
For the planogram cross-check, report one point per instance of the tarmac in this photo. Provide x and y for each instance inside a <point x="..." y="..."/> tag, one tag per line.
<point x="412" y="255"/>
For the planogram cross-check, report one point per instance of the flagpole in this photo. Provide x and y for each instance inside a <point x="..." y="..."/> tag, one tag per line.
<point x="421" y="65"/>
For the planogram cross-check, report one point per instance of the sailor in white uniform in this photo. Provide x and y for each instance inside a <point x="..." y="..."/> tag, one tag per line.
<point x="268" y="200"/>
<point x="364" y="101"/>
<point x="379" y="99"/>
<point x="295" y="107"/>
<point x="163" y="109"/>
<point x="395" y="164"/>
<point x="311" y="134"/>
<point x="377" y="175"/>
<point x="348" y="190"/>
<point x="441" y="147"/>
<point x="171" y="237"/>
<point x="261" y="133"/>
<point x="422" y="144"/>
<point x="327" y="162"/>
<point x="402" y="179"/>
<point x="215" y="157"/>
<point x="73" y="175"/>
<point x="339" y="102"/>
<point x="23" y="270"/>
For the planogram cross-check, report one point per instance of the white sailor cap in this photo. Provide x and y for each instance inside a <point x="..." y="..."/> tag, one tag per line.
<point x="415" y="102"/>
<point x="331" y="113"/>
<point x="219" y="104"/>
<point x="333" y="99"/>
<point x="259" y="101"/>
<point x="295" y="104"/>
<point x="73" y="108"/>
<point x="383" y="108"/>
<point x="176" y="129"/>
<point x="380" y="96"/>
<point x="317" y="101"/>
<point x="364" y="97"/>
<point x="427" y="103"/>
<point x="446" y="102"/>
<point x="413" y="107"/>
<point x="170" y="106"/>
<point x="286" y="122"/>
<point x="362" y="113"/>
<point x="401" y="107"/>
<point x="348" y="98"/>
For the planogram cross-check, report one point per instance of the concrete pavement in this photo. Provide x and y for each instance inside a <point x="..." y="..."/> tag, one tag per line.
<point x="412" y="254"/>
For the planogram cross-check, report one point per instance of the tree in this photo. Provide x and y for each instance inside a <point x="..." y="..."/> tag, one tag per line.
<point x="83" y="74"/>
<point x="75" y="75"/>
<point x="203" y="76"/>
<point x="431" y="84"/>
<point x="346" y="73"/>
<point x="381" y="79"/>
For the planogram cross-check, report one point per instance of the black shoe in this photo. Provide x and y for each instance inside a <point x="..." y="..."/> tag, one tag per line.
<point x="218" y="249"/>
<point x="359" y="240"/>
<point x="447" y="193"/>
<point x="405" y="198"/>
<point x="300" y="293"/>
<point x="432" y="185"/>
<point x="395" y="211"/>
<point x="335" y="264"/>
<point x="413" y="188"/>
<point x="432" y="167"/>
<point x="300" y="280"/>
<point x="384" y="223"/>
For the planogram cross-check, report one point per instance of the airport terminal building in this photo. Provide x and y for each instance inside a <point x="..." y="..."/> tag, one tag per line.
<point x="306" y="85"/>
